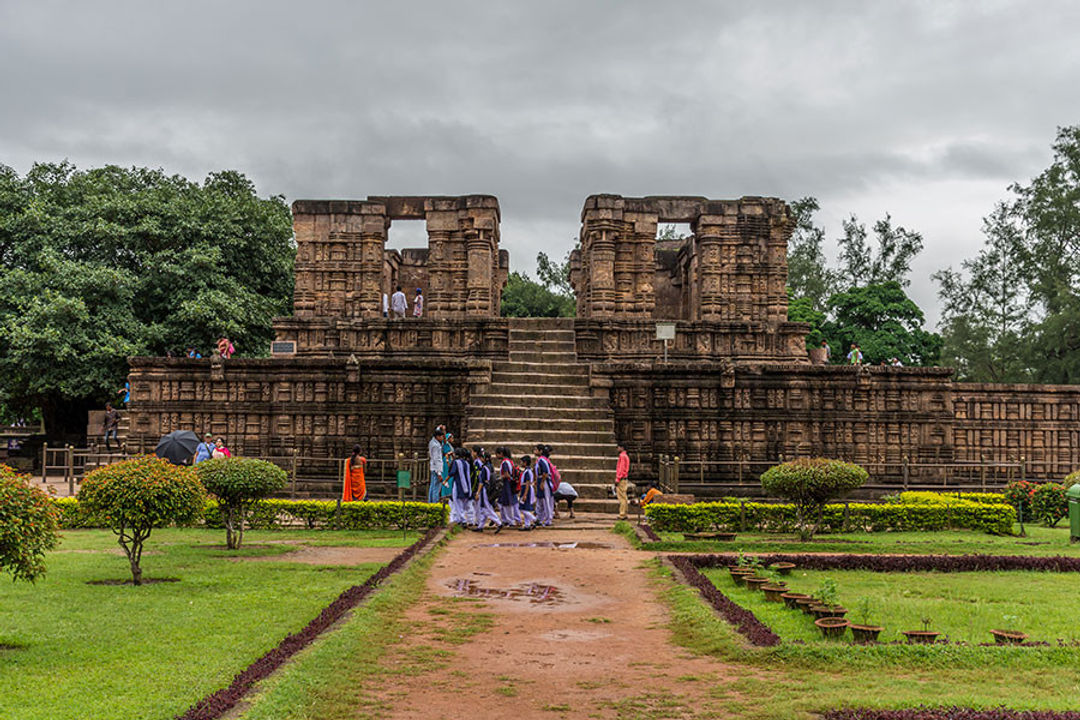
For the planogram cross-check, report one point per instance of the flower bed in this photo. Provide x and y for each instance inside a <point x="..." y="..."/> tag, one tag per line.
<point x="217" y="704"/>
<point x="745" y="622"/>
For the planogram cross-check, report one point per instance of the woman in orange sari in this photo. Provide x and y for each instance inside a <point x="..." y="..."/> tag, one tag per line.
<point x="355" y="486"/>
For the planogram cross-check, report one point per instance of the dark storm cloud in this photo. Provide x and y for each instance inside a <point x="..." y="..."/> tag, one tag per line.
<point x="924" y="109"/>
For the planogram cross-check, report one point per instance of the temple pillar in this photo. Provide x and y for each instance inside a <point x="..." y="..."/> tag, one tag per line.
<point x="365" y="300"/>
<point x="601" y="251"/>
<point x="478" y="283"/>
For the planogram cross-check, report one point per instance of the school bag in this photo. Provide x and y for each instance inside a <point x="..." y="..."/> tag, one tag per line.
<point x="556" y="476"/>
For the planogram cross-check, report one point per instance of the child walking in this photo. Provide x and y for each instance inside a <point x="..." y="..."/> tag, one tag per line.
<point x="508" y="489"/>
<point x="481" y="500"/>
<point x="460" y="487"/>
<point x="527" y="498"/>
<point x="545" y="500"/>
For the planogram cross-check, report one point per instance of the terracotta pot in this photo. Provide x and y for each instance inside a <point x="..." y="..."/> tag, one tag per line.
<point x="832" y="627"/>
<point x="773" y="592"/>
<point x="1008" y="637"/>
<point x="783" y="568"/>
<point x="865" y="634"/>
<point x="923" y="637"/>
<point x="756" y="583"/>
<point x="822" y="611"/>
<point x="740" y="577"/>
<point x="806" y="603"/>
<point x="790" y="599"/>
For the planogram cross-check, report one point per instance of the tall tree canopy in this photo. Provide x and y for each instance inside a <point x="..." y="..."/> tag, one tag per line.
<point x="888" y="259"/>
<point x="551" y="297"/>
<point x="98" y="265"/>
<point x="809" y="276"/>
<point x="884" y="322"/>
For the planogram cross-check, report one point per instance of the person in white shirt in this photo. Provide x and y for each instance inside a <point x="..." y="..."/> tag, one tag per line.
<point x="398" y="304"/>
<point x="435" y="464"/>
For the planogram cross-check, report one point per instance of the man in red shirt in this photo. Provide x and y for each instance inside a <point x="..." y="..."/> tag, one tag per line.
<point x="622" y="479"/>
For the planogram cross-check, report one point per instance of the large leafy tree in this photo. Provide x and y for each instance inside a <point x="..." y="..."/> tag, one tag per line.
<point x="886" y="259"/>
<point x="101" y="264"/>
<point x="884" y="322"/>
<point x="809" y="276"/>
<point x="551" y="297"/>
<point x="986" y="307"/>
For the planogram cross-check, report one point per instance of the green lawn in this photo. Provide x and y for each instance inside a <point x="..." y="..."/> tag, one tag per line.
<point x="1039" y="541"/>
<point x="74" y="650"/>
<point x="963" y="606"/>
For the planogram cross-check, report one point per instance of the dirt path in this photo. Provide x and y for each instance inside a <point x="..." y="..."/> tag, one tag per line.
<point x="554" y="631"/>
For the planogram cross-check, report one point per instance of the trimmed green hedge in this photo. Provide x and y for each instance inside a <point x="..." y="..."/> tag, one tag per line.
<point x="859" y="517"/>
<point x="313" y="514"/>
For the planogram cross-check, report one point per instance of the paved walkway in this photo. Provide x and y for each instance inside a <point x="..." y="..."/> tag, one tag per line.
<point x="570" y="627"/>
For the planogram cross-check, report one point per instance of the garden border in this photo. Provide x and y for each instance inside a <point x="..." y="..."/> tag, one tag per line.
<point x="745" y="621"/>
<point x="949" y="713"/>
<point x="902" y="563"/>
<point x="218" y="703"/>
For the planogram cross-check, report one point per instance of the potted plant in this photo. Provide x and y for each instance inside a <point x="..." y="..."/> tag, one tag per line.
<point x="805" y="603"/>
<point x="756" y="582"/>
<point x="925" y="636"/>
<point x="829" y="601"/>
<point x="1009" y="637"/>
<point x="832" y="627"/>
<point x="784" y="568"/>
<point x="865" y="633"/>
<point x="791" y="599"/>
<point x="774" y="588"/>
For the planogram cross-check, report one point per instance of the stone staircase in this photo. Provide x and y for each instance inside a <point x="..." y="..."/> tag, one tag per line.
<point x="542" y="395"/>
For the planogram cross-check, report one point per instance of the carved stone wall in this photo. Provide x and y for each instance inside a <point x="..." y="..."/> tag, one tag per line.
<point x="341" y="265"/>
<point x="320" y="407"/>
<point x="411" y="338"/>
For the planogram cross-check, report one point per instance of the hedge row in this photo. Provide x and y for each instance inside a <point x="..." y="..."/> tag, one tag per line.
<point x="949" y="713"/>
<point x="913" y="497"/>
<point x="313" y="514"/>
<point x="219" y="703"/>
<point x="745" y="622"/>
<point x="904" y="563"/>
<point x="851" y="517"/>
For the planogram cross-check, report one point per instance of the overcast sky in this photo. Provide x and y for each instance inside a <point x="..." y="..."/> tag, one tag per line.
<point x="926" y="110"/>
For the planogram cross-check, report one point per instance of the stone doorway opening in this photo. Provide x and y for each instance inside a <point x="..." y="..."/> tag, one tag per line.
<point x="405" y="258"/>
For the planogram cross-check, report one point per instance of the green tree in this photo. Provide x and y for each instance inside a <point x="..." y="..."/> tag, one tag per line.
<point x="808" y="273"/>
<point x="137" y="495"/>
<point x="524" y="297"/>
<point x="884" y="322"/>
<point x="801" y="309"/>
<point x="28" y="525"/>
<point x="986" y="308"/>
<point x="554" y="276"/>
<point x="102" y="264"/>
<point x="888" y="259"/>
<point x="238" y="483"/>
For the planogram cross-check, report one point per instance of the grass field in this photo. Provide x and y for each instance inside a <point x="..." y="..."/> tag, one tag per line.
<point x="961" y="606"/>
<point x="1038" y="541"/>
<point x="73" y="650"/>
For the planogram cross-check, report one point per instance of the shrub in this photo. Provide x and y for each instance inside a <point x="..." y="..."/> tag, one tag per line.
<point x="135" y="496"/>
<point x="238" y="483"/>
<point x="1018" y="494"/>
<point x="866" y="517"/>
<point x="1049" y="503"/>
<point x="28" y="524"/>
<point x="810" y="483"/>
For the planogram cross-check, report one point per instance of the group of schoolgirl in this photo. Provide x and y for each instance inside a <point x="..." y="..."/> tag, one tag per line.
<point x="520" y="494"/>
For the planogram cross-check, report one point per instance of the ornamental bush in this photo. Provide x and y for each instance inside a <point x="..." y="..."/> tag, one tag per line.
<point x="28" y="524"/>
<point x="277" y="514"/>
<point x="1049" y="503"/>
<point x="1019" y="494"/>
<point x="135" y="496"/>
<point x="239" y="483"/>
<point x="809" y="483"/>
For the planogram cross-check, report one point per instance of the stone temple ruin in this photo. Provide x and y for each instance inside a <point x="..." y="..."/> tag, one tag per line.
<point x="736" y="393"/>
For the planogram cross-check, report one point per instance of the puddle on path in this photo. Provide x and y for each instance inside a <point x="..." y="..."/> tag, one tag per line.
<point x="534" y="593"/>
<point x="556" y="545"/>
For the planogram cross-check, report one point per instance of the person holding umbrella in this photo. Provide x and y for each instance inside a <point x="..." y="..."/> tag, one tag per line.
<point x="177" y="447"/>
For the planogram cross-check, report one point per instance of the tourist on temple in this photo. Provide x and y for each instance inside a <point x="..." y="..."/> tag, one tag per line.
<point x="418" y="304"/>
<point x="508" y="488"/>
<point x="193" y="353"/>
<point x="220" y="451"/>
<point x="225" y="348"/>
<point x="436" y="464"/>
<point x="622" y="480"/>
<point x="126" y="392"/>
<point x="653" y="494"/>
<point x="460" y="487"/>
<point x="527" y="496"/>
<point x="398" y="304"/>
<point x="545" y="491"/>
<point x="110" y="426"/>
<point x="485" y="484"/>
<point x="355" y="486"/>
<point x="566" y="492"/>
<point x="828" y="350"/>
<point x="205" y="449"/>
<point x="855" y="356"/>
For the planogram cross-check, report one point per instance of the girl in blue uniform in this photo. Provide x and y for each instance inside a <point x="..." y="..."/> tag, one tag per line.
<point x="508" y="489"/>
<point x="527" y="497"/>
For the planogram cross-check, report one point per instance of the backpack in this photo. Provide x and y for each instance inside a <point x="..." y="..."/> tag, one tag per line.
<point x="517" y="479"/>
<point x="556" y="476"/>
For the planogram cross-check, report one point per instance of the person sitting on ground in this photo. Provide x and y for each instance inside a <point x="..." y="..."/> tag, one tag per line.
<point x="566" y="492"/>
<point x="653" y="494"/>
<point x="205" y="449"/>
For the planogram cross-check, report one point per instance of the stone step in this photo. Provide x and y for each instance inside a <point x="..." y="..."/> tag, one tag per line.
<point x="537" y="401"/>
<point x="545" y="358"/>
<point x="553" y="368"/>
<point x="556" y="438"/>
<point x="553" y="348"/>
<point x="564" y="336"/>
<point x="491" y="419"/>
<point x="541" y="324"/>
<point x="563" y="381"/>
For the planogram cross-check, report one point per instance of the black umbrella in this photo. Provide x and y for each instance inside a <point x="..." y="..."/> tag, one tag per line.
<point x="177" y="447"/>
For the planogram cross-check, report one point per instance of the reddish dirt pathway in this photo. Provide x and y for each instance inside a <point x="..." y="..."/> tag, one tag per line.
<point x="543" y="632"/>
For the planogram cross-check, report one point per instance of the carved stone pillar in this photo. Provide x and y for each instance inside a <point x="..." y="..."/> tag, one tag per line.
<point x="478" y="249"/>
<point x="602" y="239"/>
<point x="710" y="273"/>
<point x="367" y="300"/>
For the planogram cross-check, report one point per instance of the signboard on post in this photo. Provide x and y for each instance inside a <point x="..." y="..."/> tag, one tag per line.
<point x="665" y="331"/>
<point x="404" y="478"/>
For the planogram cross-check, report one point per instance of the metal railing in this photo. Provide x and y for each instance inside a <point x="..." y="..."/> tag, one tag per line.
<point x="903" y="474"/>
